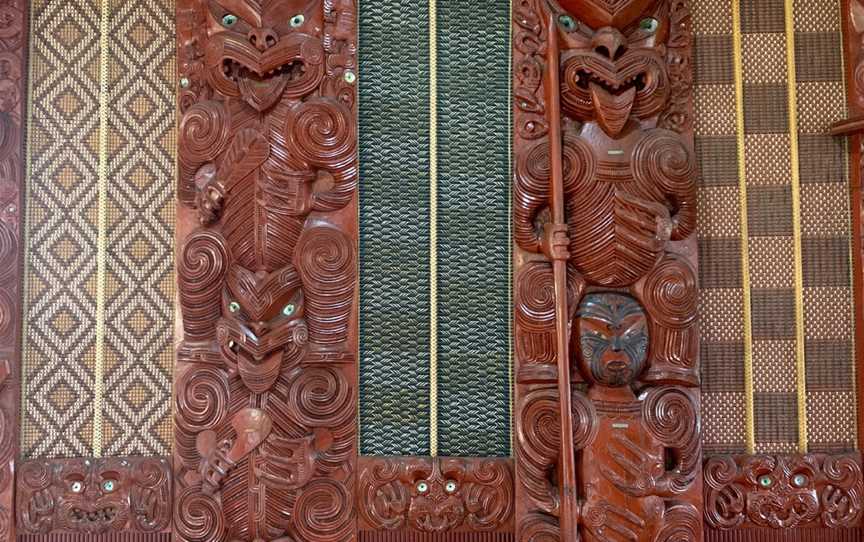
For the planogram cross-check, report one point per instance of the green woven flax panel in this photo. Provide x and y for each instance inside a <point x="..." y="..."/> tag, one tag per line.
<point x="394" y="228"/>
<point x="473" y="228"/>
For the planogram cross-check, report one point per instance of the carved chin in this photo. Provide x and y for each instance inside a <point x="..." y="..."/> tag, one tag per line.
<point x="259" y="376"/>
<point x="436" y="517"/>
<point x="94" y="518"/>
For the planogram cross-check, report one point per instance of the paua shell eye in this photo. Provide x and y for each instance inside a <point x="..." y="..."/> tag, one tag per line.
<point x="229" y="20"/>
<point x="77" y="487"/>
<point x="108" y="486"/>
<point x="234" y="306"/>
<point x="289" y="309"/>
<point x="649" y="24"/>
<point x="297" y="20"/>
<point x="766" y="481"/>
<point x="567" y="22"/>
<point x="422" y="487"/>
<point x="450" y="486"/>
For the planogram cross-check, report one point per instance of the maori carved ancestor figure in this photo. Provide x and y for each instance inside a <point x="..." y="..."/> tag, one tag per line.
<point x="94" y="496"/>
<point x="267" y="151"/>
<point x="628" y="180"/>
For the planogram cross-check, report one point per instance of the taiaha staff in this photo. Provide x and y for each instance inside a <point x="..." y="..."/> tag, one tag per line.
<point x="568" y="513"/>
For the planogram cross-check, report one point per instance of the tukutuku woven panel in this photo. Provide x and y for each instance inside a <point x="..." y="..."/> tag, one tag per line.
<point x="473" y="229"/>
<point x="61" y="268"/>
<point x="394" y="228"/>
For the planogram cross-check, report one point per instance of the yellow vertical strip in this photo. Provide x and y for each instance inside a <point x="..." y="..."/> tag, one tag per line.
<point x="433" y="229"/>
<point x="102" y="228"/>
<point x="738" y="66"/>
<point x="791" y="83"/>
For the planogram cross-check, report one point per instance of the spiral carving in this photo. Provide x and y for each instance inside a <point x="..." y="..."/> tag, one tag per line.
<point x="670" y="416"/>
<point x="681" y="524"/>
<point x="671" y="295"/>
<point x="202" y="398"/>
<point x="323" y="512"/>
<point x="326" y="260"/>
<point x="35" y="474"/>
<point x="204" y="132"/>
<point x="538" y="438"/>
<point x="198" y="517"/>
<point x="535" y="298"/>
<point x="322" y="132"/>
<point x="8" y="314"/>
<point x="320" y="396"/>
<point x="200" y="273"/>
<point x="8" y="252"/>
<point x="662" y="160"/>
<point x="539" y="528"/>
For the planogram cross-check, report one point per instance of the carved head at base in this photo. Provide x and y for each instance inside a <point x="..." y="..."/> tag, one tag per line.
<point x="613" y="338"/>
<point x="436" y="500"/>
<point x="614" y="68"/>
<point x="264" y="50"/>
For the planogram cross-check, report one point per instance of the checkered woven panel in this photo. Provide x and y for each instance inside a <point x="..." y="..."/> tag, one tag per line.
<point x="139" y="332"/>
<point x="825" y="228"/>
<point x="722" y="293"/>
<point x="62" y="231"/>
<point x="394" y="228"/>
<point x="473" y="229"/>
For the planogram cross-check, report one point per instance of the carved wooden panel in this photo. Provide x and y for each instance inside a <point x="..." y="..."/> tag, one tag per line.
<point x="13" y="85"/>
<point x="435" y="494"/>
<point x="94" y="496"/>
<point x="267" y="237"/>
<point x="604" y="210"/>
<point x="783" y="492"/>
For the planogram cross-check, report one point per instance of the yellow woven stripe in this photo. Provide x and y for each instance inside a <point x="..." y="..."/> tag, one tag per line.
<point x="102" y="229"/>
<point x="433" y="229"/>
<point x="738" y="66"/>
<point x="800" y="366"/>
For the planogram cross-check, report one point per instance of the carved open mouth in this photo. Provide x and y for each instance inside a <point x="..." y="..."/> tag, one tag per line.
<point x="235" y="71"/>
<point x="99" y="515"/>
<point x="587" y="78"/>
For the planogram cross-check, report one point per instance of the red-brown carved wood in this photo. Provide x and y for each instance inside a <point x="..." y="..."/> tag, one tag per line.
<point x="94" y="496"/>
<point x="435" y="495"/>
<point x="13" y="85"/>
<point x="783" y="492"/>
<point x="605" y="267"/>
<point x="267" y="256"/>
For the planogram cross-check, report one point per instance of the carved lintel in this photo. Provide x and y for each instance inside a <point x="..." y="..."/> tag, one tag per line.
<point x="94" y="496"/>
<point x="265" y="436"/>
<point x="785" y="492"/>
<point x="13" y="91"/>
<point x="435" y="495"/>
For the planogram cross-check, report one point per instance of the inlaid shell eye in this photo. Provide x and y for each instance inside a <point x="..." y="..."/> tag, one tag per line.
<point x="234" y="306"/>
<point x="297" y="20"/>
<point x="766" y="481"/>
<point x="799" y="480"/>
<point x="422" y="487"/>
<point x="649" y="24"/>
<point x="567" y="22"/>
<point x="289" y="309"/>
<point x="77" y="487"/>
<point x="450" y="486"/>
<point x="229" y="20"/>
<point x="108" y="486"/>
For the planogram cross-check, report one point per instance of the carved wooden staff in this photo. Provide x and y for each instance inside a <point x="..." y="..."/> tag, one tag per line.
<point x="556" y="237"/>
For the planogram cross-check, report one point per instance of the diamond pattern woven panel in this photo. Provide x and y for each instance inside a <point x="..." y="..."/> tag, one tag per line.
<point x="394" y="228"/>
<point x="473" y="229"/>
<point x="99" y="293"/>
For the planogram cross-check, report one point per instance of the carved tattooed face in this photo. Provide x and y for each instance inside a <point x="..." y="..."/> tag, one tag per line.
<point x="613" y="338"/>
<point x="92" y="495"/>
<point x="612" y="73"/>
<point x="262" y="318"/>
<point x="436" y="498"/>
<point x="264" y="50"/>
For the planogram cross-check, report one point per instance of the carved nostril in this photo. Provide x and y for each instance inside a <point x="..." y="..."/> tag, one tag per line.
<point x="262" y="38"/>
<point x="610" y="43"/>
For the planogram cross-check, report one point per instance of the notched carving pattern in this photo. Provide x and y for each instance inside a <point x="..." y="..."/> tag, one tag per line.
<point x="435" y="495"/>
<point x="783" y="492"/>
<point x="265" y="393"/>
<point x="94" y="495"/>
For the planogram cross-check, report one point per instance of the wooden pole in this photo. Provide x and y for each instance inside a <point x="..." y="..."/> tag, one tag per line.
<point x="569" y="505"/>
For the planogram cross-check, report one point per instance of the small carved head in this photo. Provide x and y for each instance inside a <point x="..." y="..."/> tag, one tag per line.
<point x="92" y="495"/>
<point x="614" y="66"/>
<point x="436" y="498"/>
<point x="264" y="50"/>
<point x="262" y="323"/>
<point x="613" y="338"/>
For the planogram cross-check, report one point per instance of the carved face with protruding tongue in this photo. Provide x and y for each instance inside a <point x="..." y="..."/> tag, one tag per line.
<point x="612" y="75"/>
<point x="263" y="53"/>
